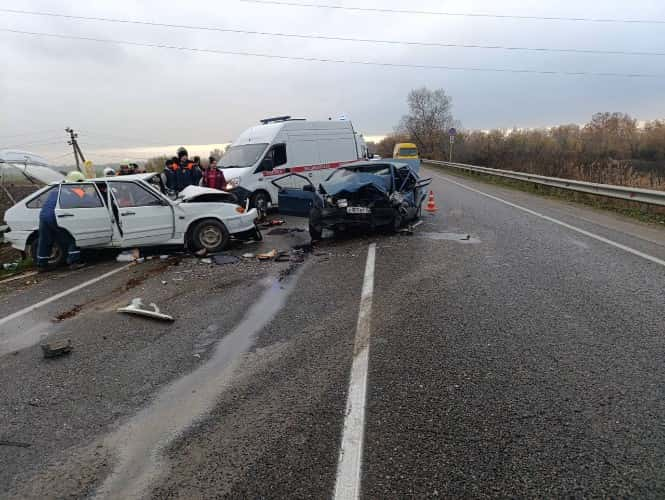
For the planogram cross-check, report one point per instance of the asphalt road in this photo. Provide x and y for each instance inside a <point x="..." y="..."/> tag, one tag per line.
<point x="510" y="356"/>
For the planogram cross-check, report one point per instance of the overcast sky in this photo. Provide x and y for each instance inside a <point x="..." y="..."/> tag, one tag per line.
<point x="150" y="99"/>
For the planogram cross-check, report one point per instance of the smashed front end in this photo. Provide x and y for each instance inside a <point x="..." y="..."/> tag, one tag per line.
<point x="366" y="206"/>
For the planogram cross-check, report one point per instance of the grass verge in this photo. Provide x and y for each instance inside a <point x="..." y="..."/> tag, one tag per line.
<point x="640" y="211"/>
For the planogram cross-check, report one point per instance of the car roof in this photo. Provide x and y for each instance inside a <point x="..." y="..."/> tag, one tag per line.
<point x="375" y="163"/>
<point x="132" y="177"/>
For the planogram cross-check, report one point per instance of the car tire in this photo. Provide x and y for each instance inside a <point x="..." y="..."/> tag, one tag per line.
<point x="260" y="201"/>
<point x="58" y="254"/>
<point x="211" y="235"/>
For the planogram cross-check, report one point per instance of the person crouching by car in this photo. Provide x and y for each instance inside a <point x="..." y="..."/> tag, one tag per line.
<point x="50" y="232"/>
<point x="213" y="177"/>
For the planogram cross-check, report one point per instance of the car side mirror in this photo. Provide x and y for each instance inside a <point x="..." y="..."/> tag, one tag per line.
<point x="309" y="188"/>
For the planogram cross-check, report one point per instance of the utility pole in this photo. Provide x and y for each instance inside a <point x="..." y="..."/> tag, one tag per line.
<point x="75" y="145"/>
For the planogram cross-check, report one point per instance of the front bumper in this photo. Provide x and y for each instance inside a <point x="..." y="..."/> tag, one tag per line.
<point x="337" y="218"/>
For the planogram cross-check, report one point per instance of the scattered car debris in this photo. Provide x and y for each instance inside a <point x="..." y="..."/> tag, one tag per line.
<point x="225" y="259"/>
<point x="10" y="266"/>
<point x="17" y="444"/>
<point x="70" y="313"/>
<point x="283" y="256"/>
<point x="267" y="256"/>
<point x="248" y="256"/>
<point x="201" y="253"/>
<point x="137" y="307"/>
<point x="284" y="230"/>
<point x="129" y="255"/>
<point x="273" y="222"/>
<point x="56" y="348"/>
<point x="163" y="257"/>
<point x="205" y="261"/>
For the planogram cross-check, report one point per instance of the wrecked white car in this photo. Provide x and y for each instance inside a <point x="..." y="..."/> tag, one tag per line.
<point x="133" y="211"/>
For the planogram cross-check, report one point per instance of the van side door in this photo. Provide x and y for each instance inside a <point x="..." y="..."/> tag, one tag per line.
<point x="273" y="164"/>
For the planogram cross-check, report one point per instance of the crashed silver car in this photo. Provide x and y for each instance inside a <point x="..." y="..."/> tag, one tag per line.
<point x="361" y="195"/>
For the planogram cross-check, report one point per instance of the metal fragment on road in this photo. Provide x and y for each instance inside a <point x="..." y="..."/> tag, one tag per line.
<point x="138" y="308"/>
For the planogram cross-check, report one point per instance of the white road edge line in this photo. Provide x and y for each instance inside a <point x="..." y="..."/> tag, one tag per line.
<point x="60" y="295"/>
<point x="349" y="465"/>
<point x="620" y="246"/>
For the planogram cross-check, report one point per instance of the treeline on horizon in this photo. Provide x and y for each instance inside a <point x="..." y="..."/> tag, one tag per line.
<point x="612" y="148"/>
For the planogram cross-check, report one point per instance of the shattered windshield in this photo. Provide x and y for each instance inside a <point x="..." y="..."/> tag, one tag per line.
<point x="245" y="155"/>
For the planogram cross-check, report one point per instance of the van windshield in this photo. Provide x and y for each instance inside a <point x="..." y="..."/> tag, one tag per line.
<point x="245" y="155"/>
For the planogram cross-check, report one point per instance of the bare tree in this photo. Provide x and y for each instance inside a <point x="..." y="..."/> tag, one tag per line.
<point x="429" y="119"/>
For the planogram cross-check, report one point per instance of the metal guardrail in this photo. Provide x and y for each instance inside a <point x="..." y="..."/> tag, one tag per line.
<point x="650" y="196"/>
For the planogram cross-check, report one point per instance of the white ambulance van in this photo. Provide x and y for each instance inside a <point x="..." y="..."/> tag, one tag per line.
<point x="282" y="145"/>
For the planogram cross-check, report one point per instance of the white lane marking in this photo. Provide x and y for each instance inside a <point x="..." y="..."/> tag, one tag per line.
<point x="620" y="246"/>
<point x="60" y="295"/>
<point x="349" y="465"/>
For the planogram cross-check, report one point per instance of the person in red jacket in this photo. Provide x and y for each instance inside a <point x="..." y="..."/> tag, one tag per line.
<point x="213" y="177"/>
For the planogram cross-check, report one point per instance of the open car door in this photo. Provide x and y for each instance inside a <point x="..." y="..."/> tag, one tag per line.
<point x="295" y="194"/>
<point x="82" y="211"/>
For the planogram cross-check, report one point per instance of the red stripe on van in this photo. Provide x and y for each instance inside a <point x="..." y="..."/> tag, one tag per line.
<point x="307" y="168"/>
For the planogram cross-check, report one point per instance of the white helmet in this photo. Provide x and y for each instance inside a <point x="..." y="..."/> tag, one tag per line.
<point x="109" y="172"/>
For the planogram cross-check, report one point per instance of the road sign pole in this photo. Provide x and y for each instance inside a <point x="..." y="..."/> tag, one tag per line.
<point x="452" y="133"/>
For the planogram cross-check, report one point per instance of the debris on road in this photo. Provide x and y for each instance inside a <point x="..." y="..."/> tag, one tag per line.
<point x="267" y="256"/>
<point x="56" y="348"/>
<point x="273" y="222"/>
<point x="225" y="259"/>
<point x="284" y="230"/>
<point x="137" y="307"/>
<point x="201" y="253"/>
<point x="70" y="313"/>
<point x="248" y="256"/>
<point x="205" y="261"/>
<point x="129" y="255"/>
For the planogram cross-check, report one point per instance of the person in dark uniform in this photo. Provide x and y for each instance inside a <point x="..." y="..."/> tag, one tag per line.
<point x="50" y="232"/>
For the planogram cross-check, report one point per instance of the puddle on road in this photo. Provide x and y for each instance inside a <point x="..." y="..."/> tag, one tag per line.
<point x="139" y="443"/>
<point x="23" y="332"/>
<point x="463" y="238"/>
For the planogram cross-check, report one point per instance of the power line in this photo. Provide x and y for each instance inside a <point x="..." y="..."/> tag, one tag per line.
<point x="23" y="134"/>
<point x="339" y="61"/>
<point x="459" y="14"/>
<point x="38" y="143"/>
<point x="331" y="37"/>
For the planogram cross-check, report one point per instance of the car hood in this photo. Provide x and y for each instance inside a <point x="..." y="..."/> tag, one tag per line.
<point x="355" y="183"/>
<point x="191" y="192"/>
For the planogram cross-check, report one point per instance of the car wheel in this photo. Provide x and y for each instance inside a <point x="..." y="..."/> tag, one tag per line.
<point x="260" y="200"/>
<point x="210" y="235"/>
<point x="58" y="254"/>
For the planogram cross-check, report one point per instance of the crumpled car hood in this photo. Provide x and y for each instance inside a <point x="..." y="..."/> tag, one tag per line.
<point x="355" y="183"/>
<point x="191" y="192"/>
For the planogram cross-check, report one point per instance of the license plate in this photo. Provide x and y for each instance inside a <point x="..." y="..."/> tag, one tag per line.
<point x="358" y="210"/>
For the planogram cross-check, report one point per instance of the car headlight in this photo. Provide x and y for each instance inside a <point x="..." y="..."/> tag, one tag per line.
<point x="232" y="183"/>
<point x="343" y="203"/>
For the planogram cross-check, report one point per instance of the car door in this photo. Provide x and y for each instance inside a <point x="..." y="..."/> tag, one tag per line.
<point x="296" y="195"/>
<point x="144" y="217"/>
<point x="83" y="213"/>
